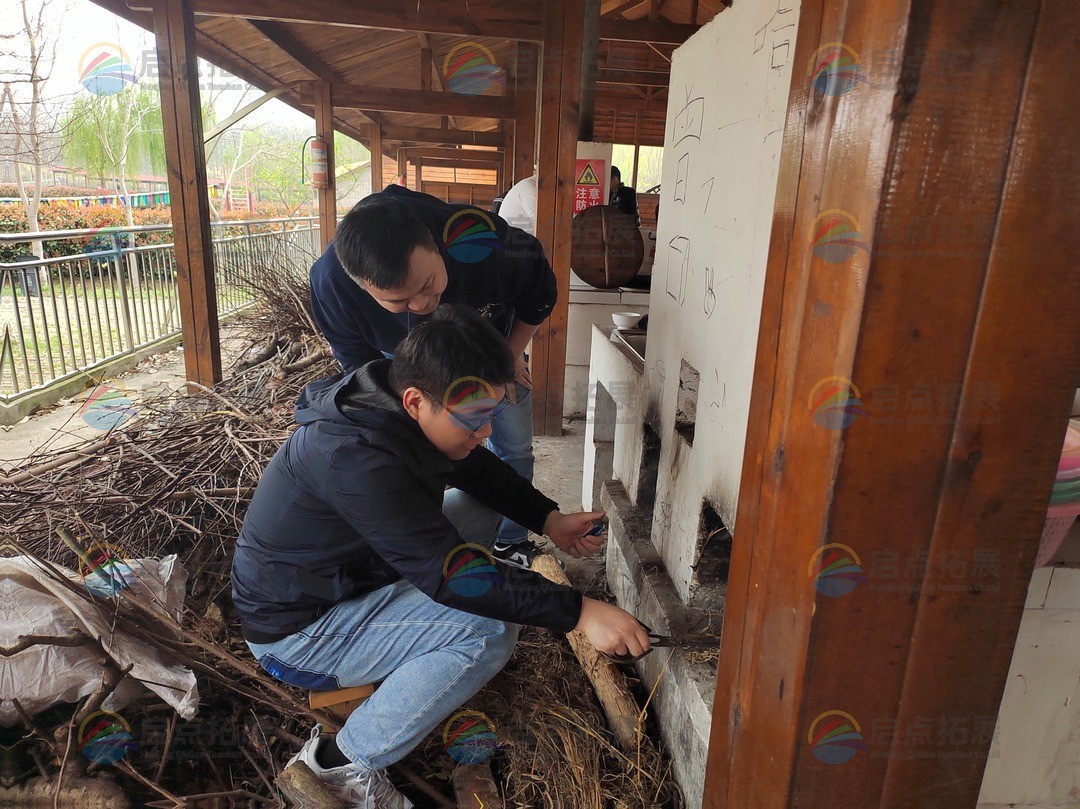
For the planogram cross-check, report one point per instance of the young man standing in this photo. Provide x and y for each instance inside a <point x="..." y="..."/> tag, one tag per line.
<point x="395" y="256"/>
<point x="354" y="567"/>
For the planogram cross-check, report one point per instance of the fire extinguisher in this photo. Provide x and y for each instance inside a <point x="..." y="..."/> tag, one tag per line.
<point x="319" y="175"/>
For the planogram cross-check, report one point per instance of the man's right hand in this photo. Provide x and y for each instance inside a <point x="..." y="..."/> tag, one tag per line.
<point x="612" y="630"/>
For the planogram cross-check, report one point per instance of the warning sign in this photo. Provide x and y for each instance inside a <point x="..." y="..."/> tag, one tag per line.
<point x="589" y="188"/>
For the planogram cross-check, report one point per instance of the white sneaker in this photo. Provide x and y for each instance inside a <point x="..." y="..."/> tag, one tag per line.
<point x="356" y="787"/>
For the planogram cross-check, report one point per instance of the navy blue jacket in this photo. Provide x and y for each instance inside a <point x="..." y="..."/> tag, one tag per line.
<point x="353" y="502"/>
<point x="513" y="281"/>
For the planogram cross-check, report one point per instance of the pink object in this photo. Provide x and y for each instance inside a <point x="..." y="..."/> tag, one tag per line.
<point x="1060" y="517"/>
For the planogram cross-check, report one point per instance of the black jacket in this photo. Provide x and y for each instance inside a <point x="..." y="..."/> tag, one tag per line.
<point x="625" y="199"/>
<point x="512" y="282"/>
<point x="351" y="503"/>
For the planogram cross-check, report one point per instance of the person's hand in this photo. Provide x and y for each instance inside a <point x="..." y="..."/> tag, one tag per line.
<point x="612" y="630"/>
<point x="568" y="532"/>
<point x="521" y="375"/>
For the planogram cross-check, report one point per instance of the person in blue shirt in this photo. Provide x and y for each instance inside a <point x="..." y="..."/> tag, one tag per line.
<point x="395" y="256"/>
<point x="356" y="564"/>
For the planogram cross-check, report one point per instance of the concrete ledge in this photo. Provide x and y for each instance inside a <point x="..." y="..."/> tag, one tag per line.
<point x="79" y="381"/>
<point x="639" y="581"/>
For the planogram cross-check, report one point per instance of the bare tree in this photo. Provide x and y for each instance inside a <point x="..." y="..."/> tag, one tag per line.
<point x="32" y="132"/>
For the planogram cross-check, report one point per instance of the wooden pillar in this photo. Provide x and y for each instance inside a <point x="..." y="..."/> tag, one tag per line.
<point x="559" y="96"/>
<point x="637" y="149"/>
<point x="420" y="174"/>
<point x="377" y="182"/>
<point x="425" y="68"/>
<point x="590" y="47"/>
<point x="178" y="79"/>
<point x="324" y="128"/>
<point x="506" y="165"/>
<point x="403" y="164"/>
<point x="932" y="487"/>
<point x="526" y="69"/>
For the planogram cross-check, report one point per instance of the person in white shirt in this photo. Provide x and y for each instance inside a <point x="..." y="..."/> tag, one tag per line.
<point x="519" y="205"/>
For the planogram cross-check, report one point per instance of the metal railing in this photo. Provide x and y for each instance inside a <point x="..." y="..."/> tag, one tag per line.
<point x="116" y="292"/>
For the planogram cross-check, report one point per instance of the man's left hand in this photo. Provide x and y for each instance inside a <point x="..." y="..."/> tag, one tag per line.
<point x="522" y="377"/>
<point x="570" y="532"/>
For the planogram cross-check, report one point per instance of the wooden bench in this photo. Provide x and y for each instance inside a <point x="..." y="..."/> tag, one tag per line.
<point x="340" y="702"/>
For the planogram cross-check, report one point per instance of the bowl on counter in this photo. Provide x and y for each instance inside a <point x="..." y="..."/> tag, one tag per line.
<point x="625" y="320"/>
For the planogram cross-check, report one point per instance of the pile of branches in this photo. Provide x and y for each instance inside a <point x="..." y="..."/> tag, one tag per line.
<point x="176" y="478"/>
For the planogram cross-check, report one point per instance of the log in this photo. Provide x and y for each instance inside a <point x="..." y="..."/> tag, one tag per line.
<point x="607" y="680"/>
<point x="305" y="790"/>
<point x="475" y="787"/>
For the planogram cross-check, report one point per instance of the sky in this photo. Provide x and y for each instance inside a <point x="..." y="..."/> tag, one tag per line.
<point x="84" y="26"/>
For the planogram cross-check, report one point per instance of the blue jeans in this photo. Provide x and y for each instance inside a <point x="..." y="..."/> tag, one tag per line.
<point x="429" y="659"/>
<point x="511" y="440"/>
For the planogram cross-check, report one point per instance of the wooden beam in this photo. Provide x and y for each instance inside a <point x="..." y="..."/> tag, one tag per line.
<point x="559" y="104"/>
<point x="403" y="164"/>
<point x="284" y="39"/>
<point x="590" y="46"/>
<point x="395" y="99"/>
<point x="425" y="69"/>
<point x="637" y="148"/>
<point x="324" y="128"/>
<point x="376" y="158"/>
<point x="181" y="114"/>
<point x="434" y="75"/>
<point x="421" y="134"/>
<point x="526" y="70"/>
<point x="419" y="173"/>
<point x="658" y="31"/>
<point x="607" y="101"/>
<point x="484" y="155"/>
<point x="242" y="113"/>
<point x="634" y="78"/>
<point x="479" y="18"/>
<point x="917" y="654"/>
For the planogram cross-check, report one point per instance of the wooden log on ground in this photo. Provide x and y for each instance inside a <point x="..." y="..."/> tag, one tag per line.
<point x="305" y="790"/>
<point x="607" y="680"/>
<point x="475" y="787"/>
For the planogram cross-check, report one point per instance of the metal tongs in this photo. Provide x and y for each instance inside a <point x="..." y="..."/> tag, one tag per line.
<point x="667" y="642"/>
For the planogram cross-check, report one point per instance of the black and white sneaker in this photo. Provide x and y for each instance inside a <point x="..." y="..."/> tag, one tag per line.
<point x="517" y="554"/>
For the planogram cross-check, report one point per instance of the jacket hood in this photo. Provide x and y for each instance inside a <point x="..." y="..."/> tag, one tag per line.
<point x="361" y="396"/>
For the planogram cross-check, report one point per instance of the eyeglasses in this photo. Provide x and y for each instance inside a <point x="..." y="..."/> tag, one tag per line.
<point x="475" y="422"/>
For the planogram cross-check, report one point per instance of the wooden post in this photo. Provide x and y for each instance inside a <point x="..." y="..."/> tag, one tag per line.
<point x="425" y="68"/>
<point x="506" y="167"/>
<point x="637" y="149"/>
<point x="563" y="34"/>
<point x="933" y="495"/>
<point x="403" y="164"/>
<point x="420" y="174"/>
<point x="590" y="46"/>
<point x="324" y="128"/>
<point x="377" y="181"/>
<point x="178" y="78"/>
<point x="526" y="69"/>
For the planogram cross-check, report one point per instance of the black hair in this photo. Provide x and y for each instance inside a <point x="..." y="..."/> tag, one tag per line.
<point x="616" y="172"/>
<point x="456" y="343"/>
<point x="375" y="239"/>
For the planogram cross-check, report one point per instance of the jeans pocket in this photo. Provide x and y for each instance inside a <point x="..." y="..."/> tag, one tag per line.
<point x="301" y="678"/>
<point x="523" y="392"/>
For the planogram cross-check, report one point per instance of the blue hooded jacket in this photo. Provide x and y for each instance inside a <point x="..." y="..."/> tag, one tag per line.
<point x="350" y="503"/>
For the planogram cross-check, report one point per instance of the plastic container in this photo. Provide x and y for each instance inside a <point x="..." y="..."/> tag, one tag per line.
<point x="1064" y="499"/>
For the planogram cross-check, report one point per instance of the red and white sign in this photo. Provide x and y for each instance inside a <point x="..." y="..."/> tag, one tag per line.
<point x="589" y="187"/>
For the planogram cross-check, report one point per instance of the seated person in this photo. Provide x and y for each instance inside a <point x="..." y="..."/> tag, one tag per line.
<point x="353" y="565"/>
